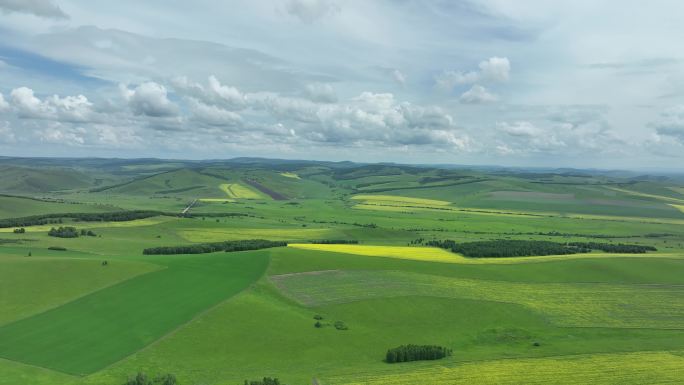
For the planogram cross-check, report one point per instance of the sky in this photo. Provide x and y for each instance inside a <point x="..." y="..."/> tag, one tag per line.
<point x="582" y="84"/>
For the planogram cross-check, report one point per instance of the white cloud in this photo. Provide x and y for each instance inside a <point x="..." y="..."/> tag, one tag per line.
<point x="494" y="69"/>
<point x="321" y="92"/>
<point x="43" y="8"/>
<point x="213" y="115"/>
<point x="212" y="93"/>
<point x="521" y="129"/>
<point x="149" y="99"/>
<point x="476" y="95"/>
<point x="309" y="11"/>
<point x="69" y="108"/>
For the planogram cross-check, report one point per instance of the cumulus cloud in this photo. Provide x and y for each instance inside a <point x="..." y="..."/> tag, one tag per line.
<point x="149" y="99"/>
<point x="477" y="95"/>
<point x="212" y="93"/>
<point x="42" y="8"/>
<point x="321" y="92"/>
<point x="309" y="11"/>
<point x="494" y="69"/>
<point x="213" y="115"/>
<point x="69" y="108"/>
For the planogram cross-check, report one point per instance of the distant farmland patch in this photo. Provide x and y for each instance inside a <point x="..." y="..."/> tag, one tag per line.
<point x="215" y="235"/>
<point x="530" y="195"/>
<point x="431" y="254"/>
<point x="273" y="194"/>
<point x="678" y="207"/>
<point x="399" y="200"/>
<point x="290" y="175"/>
<point x="239" y="191"/>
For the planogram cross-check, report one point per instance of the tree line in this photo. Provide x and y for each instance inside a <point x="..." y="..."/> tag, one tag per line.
<point x="334" y="242"/>
<point x="523" y="248"/>
<point x="113" y="216"/>
<point x="212" y="247"/>
<point x="264" y="381"/>
<point x="406" y="353"/>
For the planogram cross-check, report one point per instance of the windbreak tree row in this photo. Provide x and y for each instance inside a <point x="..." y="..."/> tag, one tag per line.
<point x="212" y="247"/>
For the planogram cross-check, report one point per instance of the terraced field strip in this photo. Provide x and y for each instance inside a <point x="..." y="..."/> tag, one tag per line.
<point x="217" y="200"/>
<point x="678" y="207"/>
<point x="99" y="329"/>
<point x="399" y="200"/>
<point x="645" y="195"/>
<point x="239" y="191"/>
<point x="564" y="304"/>
<point x="290" y="175"/>
<point x="93" y="225"/>
<point x="432" y="254"/>
<point x="215" y="235"/>
<point x="597" y="369"/>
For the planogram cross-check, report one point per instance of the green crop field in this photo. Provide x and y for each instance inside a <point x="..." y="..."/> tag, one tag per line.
<point x="357" y="277"/>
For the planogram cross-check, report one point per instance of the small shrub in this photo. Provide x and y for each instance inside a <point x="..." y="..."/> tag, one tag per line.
<point x="318" y="324"/>
<point x="57" y="248"/>
<point x="340" y="325"/>
<point x="264" y="381"/>
<point x="19" y="231"/>
<point x="318" y="317"/>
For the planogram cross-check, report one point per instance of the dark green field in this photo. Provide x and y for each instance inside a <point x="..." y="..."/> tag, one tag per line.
<point x="67" y="317"/>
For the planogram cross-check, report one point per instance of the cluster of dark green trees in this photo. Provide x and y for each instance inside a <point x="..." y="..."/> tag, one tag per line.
<point x="522" y="248"/>
<point x="70" y="232"/>
<point x="44" y="219"/>
<point x="264" y="381"/>
<point x="143" y="379"/>
<point x="56" y="248"/>
<point x="613" y="248"/>
<point x="406" y="353"/>
<point x="19" y="230"/>
<point x="212" y="247"/>
<point x="334" y="241"/>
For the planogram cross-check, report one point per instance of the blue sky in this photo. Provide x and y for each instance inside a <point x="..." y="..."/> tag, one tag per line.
<point x="518" y="83"/>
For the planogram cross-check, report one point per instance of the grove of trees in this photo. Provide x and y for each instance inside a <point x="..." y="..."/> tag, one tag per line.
<point x="406" y="353"/>
<point x="522" y="248"/>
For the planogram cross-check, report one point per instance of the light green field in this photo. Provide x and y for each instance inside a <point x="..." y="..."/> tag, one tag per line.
<point x="399" y="200"/>
<point x="569" y="305"/>
<point x="240" y="191"/>
<point x="137" y="312"/>
<point x="290" y="175"/>
<point x="599" y="369"/>
<point x="31" y="285"/>
<point x="216" y="235"/>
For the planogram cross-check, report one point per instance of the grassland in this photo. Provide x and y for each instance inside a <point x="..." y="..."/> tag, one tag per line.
<point x="219" y="318"/>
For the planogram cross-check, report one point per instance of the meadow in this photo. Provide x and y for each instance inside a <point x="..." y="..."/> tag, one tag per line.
<point x="93" y="310"/>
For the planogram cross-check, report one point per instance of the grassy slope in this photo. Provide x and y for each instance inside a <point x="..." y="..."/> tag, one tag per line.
<point x="32" y="285"/>
<point x="137" y="312"/>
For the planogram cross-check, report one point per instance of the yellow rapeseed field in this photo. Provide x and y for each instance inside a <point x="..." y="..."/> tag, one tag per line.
<point x="430" y="254"/>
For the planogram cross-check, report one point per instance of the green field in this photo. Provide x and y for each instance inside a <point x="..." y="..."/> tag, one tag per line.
<point x="356" y="257"/>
